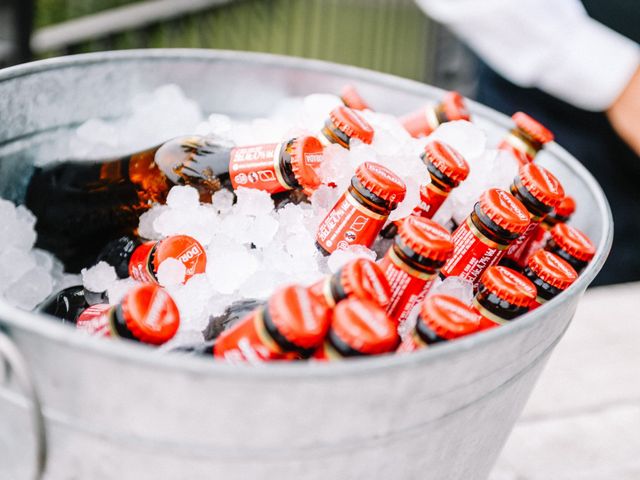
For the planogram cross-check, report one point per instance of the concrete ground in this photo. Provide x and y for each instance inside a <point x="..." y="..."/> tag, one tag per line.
<point x="583" y="419"/>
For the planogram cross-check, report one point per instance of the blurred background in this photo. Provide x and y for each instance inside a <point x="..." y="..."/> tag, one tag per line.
<point x="578" y="422"/>
<point x="392" y="36"/>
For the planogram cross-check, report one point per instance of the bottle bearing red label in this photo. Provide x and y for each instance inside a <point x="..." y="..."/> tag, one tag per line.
<point x="447" y="169"/>
<point x="257" y="167"/>
<point x="480" y="241"/>
<point x="344" y="124"/>
<point x="503" y="295"/>
<point x="441" y="318"/>
<point x="526" y="139"/>
<point x="291" y="325"/>
<point x="361" y="212"/>
<point x="424" y="121"/>
<point x="419" y="250"/>
<point x="550" y="274"/>
<point x="146" y="259"/>
<point x="539" y="191"/>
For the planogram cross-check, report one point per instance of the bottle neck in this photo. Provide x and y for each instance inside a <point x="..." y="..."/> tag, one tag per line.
<point x="413" y="260"/>
<point x="439" y="179"/>
<point x="119" y="324"/>
<point x="490" y="229"/>
<point x="333" y="134"/>
<point x="369" y="200"/>
<point x="553" y="247"/>
<point x="285" y="167"/>
<point x="496" y="305"/>
<point x="545" y="291"/>
<point x="522" y="142"/>
<point x="536" y="209"/>
<point x="341" y="347"/>
<point x="201" y="162"/>
<point x="426" y="334"/>
<point x="280" y="339"/>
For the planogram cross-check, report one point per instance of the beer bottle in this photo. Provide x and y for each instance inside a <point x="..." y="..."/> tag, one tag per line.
<point x="358" y="328"/>
<point x="526" y="139"/>
<point x="419" y="250"/>
<point x="571" y="245"/>
<point x="423" y="122"/>
<point x="146" y="314"/>
<point x="503" y="295"/>
<point x="441" y="318"/>
<point x="360" y="278"/>
<point x="540" y="235"/>
<point x="140" y="261"/>
<point x="291" y="325"/>
<point x="352" y="98"/>
<point x="68" y="303"/>
<point x="361" y="211"/>
<point x="344" y="124"/>
<point x="497" y="219"/>
<point x="82" y="205"/>
<point x="447" y="169"/>
<point x="550" y="274"/>
<point x="539" y="191"/>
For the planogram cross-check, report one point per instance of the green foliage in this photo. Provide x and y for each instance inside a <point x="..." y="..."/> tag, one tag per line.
<point x="386" y="35"/>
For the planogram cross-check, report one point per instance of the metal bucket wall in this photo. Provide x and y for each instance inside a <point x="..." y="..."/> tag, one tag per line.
<point x="114" y="410"/>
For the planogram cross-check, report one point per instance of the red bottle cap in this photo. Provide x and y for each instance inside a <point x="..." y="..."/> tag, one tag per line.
<point x="299" y="316"/>
<point x="426" y="238"/>
<point x="532" y="127"/>
<point x="365" y="327"/>
<point x="504" y="210"/>
<point x="150" y="314"/>
<point x="449" y="317"/>
<point x="306" y="158"/>
<point x="447" y="159"/>
<point x="541" y="184"/>
<point x="351" y="123"/>
<point x="183" y="248"/>
<point x="454" y="107"/>
<point x="509" y="285"/>
<point x="352" y="99"/>
<point x="363" y="279"/>
<point x="566" y="208"/>
<point x="552" y="269"/>
<point x="381" y="181"/>
<point x="573" y="241"/>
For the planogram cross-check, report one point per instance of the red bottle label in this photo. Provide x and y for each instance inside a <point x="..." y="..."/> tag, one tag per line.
<point x="431" y="199"/>
<point x="247" y="341"/>
<point x="349" y="223"/>
<point x="518" y="249"/>
<point x="258" y="167"/>
<point x="95" y="320"/>
<point x="473" y="253"/>
<point x="408" y="286"/>
<point x="139" y="263"/>
<point x="536" y="242"/>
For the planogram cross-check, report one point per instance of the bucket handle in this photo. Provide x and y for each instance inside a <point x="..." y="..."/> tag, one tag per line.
<point x="11" y="357"/>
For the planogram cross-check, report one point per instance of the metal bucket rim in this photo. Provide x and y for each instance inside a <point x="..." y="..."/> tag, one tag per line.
<point x="54" y="331"/>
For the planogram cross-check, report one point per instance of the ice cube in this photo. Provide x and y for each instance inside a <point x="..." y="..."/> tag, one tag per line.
<point x="264" y="230"/>
<point x="171" y="272"/>
<point x="253" y="202"/>
<point x="192" y="299"/>
<point x="14" y="263"/>
<point x="456" y="287"/>
<point x="466" y="137"/>
<point x="119" y="288"/>
<point x="228" y="270"/>
<point x="183" y="197"/>
<point x="222" y="201"/>
<point x="146" y="228"/>
<point x="30" y="289"/>
<point x="316" y="108"/>
<point x="99" y="277"/>
<point x="338" y="258"/>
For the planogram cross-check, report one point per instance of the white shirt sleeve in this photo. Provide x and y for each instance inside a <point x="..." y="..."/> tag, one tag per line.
<point x="549" y="44"/>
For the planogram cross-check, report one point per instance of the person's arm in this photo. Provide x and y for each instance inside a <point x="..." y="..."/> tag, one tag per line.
<point x="555" y="46"/>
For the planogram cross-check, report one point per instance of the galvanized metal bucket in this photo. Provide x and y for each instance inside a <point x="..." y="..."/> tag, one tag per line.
<point x="112" y="410"/>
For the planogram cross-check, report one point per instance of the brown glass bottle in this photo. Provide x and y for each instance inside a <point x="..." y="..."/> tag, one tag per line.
<point x="81" y="205"/>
